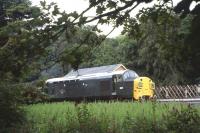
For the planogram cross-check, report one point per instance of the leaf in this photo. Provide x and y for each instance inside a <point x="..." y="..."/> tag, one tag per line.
<point x="43" y="3"/>
<point x="82" y="20"/>
<point x="111" y="4"/>
<point x="56" y="10"/>
<point x="74" y="14"/>
<point x="100" y="9"/>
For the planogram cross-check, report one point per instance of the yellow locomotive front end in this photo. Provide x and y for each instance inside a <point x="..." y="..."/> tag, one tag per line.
<point x="143" y="88"/>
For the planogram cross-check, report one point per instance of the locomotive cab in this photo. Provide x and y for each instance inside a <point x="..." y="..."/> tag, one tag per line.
<point x="129" y="85"/>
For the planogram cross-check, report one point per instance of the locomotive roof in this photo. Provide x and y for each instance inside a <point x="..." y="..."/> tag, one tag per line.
<point x="94" y="72"/>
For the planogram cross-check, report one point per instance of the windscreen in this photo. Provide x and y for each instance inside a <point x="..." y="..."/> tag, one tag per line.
<point x="130" y="75"/>
<point x="133" y="74"/>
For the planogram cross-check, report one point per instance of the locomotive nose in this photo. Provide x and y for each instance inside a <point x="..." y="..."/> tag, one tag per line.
<point x="143" y="87"/>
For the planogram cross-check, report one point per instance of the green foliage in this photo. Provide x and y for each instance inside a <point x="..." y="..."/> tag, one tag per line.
<point x="156" y="47"/>
<point x="154" y="28"/>
<point x="192" y="40"/>
<point x="185" y="120"/>
<point x="107" y="53"/>
<point x="140" y="124"/>
<point x="11" y="113"/>
<point x="20" y="38"/>
<point x="163" y="46"/>
<point x="34" y="92"/>
<point x="26" y="32"/>
<point x="157" y="35"/>
<point x="19" y="48"/>
<point x="104" y="117"/>
<point x="161" y="51"/>
<point x="86" y="122"/>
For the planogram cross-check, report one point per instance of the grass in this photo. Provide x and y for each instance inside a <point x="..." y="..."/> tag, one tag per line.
<point x="112" y="117"/>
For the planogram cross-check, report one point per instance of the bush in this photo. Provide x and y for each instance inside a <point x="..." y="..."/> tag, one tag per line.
<point x="184" y="120"/>
<point x="89" y="123"/>
<point x="141" y="124"/>
<point x="11" y="112"/>
<point x="137" y="124"/>
<point x="33" y="93"/>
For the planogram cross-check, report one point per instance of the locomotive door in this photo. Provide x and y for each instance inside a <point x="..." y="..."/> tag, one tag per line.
<point x="114" y="84"/>
<point x="118" y="84"/>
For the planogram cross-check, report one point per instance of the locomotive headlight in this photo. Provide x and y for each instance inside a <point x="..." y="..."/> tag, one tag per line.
<point x="140" y="84"/>
<point x="153" y="85"/>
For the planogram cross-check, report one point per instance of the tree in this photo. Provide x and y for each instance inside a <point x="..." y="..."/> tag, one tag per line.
<point x="107" y="53"/>
<point x="19" y="37"/>
<point x="108" y="11"/>
<point x="116" y="12"/>
<point x="192" y="40"/>
<point x="26" y="35"/>
<point x="18" y="48"/>
<point x="68" y="24"/>
<point x="161" y="49"/>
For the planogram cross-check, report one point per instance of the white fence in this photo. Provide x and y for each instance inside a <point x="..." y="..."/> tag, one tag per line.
<point x="177" y="92"/>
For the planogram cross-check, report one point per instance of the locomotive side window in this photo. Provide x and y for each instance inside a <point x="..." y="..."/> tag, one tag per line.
<point x="119" y="78"/>
<point x="114" y="78"/>
<point x="114" y="81"/>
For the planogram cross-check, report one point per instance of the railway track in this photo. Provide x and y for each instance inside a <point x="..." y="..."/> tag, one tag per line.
<point x="186" y="100"/>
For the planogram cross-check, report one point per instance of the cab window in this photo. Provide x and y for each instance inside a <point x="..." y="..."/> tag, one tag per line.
<point x="133" y="74"/>
<point x="130" y="75"/>
<point x="126" y="75"/>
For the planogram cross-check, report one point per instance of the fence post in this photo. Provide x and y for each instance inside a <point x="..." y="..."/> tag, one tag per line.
<point x="186" y="93"/>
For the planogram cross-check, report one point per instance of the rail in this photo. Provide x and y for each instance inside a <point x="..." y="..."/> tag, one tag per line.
<point x="189" y="100"/>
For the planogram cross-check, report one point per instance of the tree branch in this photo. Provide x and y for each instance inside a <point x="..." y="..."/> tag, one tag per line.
<point x="112" y="12"/>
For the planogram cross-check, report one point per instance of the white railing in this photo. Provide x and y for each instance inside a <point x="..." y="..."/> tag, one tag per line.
<point x="177" y="92"/>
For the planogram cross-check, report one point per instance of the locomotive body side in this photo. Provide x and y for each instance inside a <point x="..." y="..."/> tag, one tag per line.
<point x="80" y="89"/>
<point x="121" y="84"/>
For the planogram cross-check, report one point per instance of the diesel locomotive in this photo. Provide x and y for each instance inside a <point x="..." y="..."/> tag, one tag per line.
<point x="113" y="81"/>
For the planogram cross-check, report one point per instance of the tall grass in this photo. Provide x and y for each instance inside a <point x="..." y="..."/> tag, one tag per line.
<point x="100" y="117"/>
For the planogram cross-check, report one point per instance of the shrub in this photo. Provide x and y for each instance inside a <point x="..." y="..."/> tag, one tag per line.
<point x="89" y="123"/>
<point x="141" y="124"/>
<point x="11" y="112"/>
<point x="184" y="120"/>
<point x="34" y="92"/>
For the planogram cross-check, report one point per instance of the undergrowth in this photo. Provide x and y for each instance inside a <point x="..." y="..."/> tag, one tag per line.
<point x="112" y="117"/>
